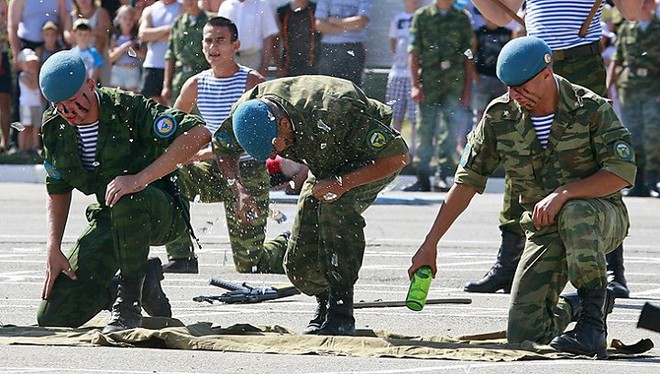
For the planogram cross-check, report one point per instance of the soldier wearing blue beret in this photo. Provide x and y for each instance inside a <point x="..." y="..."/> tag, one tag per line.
<point x="568" y="157"/>
<point x="352" y="153"/>
<point x="119" y="147"/>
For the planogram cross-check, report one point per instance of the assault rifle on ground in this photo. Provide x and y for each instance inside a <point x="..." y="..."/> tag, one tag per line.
<point x="246" y="294"/>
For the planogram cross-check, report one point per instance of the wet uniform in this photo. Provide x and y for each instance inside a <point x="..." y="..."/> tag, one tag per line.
<point x="586" y="137"/>
<point x="337" y="129"/>
<point x="133" y="132"/>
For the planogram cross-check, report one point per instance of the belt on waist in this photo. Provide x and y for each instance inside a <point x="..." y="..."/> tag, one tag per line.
<point x="581" y="50"/>
<point x="641" y="72"/>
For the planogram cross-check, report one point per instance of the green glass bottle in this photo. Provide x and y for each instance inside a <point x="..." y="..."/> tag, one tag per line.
<point x="419" y="288"/>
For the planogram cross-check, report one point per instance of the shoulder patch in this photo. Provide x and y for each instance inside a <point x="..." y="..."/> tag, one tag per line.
<point x="51" y="171"/>
<point x="376" y="139"/>
<point x="465" y="157"/>
<point x="222" y="139"/>
<point x="165" y="125"/>
<point x="622" y="151"/>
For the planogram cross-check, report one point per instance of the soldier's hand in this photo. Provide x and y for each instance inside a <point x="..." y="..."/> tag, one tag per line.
<point x="426" y="255"/>
<point x="417" y="94"/>
<point x="120" y="186"/>
<point x="56" y="263"/>
<point x="247" y="208"/>
<point x="546" y="210"/>
<point x="165" y="93"/>
<point x="329" y="190"/>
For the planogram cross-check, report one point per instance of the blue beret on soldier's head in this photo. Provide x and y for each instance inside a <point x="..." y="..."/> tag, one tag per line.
<point x="521" y="59"/>
<point x="255" y="128"/>
<point x="62" y="75"/>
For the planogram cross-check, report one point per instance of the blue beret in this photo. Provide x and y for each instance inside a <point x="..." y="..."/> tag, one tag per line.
<point x="521" y="59"/>
<point x="62" y="75"/>
<point x="255" y="128"/>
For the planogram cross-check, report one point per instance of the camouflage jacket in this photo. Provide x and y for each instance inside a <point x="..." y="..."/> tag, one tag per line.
<point x="337" y="128"/>
<point x="133" y="132"/>
<point x="638" y="51"/>
<point x="586" y="136"/>
<point x="185" y="43"/>
<point x="441" y="41"/>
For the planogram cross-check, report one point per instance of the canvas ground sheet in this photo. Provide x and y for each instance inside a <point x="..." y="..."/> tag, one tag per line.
<point x="172" y="334"/>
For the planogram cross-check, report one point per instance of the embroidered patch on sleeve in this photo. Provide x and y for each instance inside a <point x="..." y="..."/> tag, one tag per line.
<point x="165" y="125"/>
<point x="376" y="139"/>
<point x="622" y="151"/>
<point x="222" y="139"/>
<point x="465" y="157"/>
<point x="51" y="171"/>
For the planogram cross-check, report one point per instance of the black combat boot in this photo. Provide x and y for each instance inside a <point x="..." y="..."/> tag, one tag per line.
<point x="154" y="300"/>
<point x="616" y="279"/>
<point x="423" y="183"/>
<point x="441" y="184"/>
<point x="589" y="337"/>
<point x="127" y="310"/>
<point x="182" y="266"/>
<point x="575" y="301"/>
<point x="500" y="275"/>
<point x="319" y="315"/>
<point x="339" y="320"/>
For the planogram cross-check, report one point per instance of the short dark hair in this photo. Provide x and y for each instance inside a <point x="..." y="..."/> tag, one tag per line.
<point x="224" y="22"/>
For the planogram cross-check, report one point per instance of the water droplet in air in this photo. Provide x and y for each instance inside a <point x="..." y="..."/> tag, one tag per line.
<point x="468" y="54"/>
<point x="131" y="52"/>
<point x="323" y="145"/>
<point x="329" y="196"/>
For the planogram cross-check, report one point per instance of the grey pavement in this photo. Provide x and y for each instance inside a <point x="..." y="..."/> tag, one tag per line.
<point x="393" y="233"/>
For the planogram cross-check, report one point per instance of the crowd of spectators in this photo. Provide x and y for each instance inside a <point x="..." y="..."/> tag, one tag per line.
<point x="148" y="47"/>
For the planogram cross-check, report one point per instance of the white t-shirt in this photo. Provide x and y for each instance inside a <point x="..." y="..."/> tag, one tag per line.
<point x="255" y="20"/>
<point x="29" y="96"/>
<point x="161" y="15"/>
<point x="400" y="30"/>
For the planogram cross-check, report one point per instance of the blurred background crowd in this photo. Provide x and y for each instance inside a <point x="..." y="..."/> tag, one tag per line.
<point x="151" y="47"/>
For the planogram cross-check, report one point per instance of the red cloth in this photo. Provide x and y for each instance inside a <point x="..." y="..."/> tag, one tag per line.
<point x="273" y="165"/>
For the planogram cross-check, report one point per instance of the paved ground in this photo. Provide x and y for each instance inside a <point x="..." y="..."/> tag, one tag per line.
<point x="393" y="233"/>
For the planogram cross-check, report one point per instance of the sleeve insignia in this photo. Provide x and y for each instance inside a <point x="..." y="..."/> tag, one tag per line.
<point x="376" y="139"/>
<point x="51" y="171"/>
<point x="222" y="139"/>
<point x="465" y="157"/>
<point x="622" y="151"/>
<point x="165" y="125"/>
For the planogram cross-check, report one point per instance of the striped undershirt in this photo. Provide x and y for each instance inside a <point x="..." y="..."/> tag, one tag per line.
<point x="88" y="136"/>
<point x="215" y="96"/>
<point x="558" y="22"/>
<point x="542" y="125"/>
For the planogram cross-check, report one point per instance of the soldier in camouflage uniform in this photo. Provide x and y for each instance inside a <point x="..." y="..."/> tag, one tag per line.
<point x="637" y="63"/>
<point x="213" y="92"/>
<point x="352" y="153"/>
<point x="121" y="148"/>
<point x="578" y="59"/>
<point x="441" y="79"/>
<point x="184" y="57"/>
<point x="569" y="190"/>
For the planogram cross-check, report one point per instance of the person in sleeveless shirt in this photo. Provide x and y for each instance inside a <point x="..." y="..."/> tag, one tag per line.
<point x="214" y="91"/>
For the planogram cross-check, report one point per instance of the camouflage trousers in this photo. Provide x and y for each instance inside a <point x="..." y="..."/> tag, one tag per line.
<point x="327" y="241"/>
<point x="115" y="238"/>
<point x="640" y="113"/>
<point x="430" y="129"/>
<point x="250" y="253"/>
<point x="573" y="249"/>
<point x="587" y="71"/>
